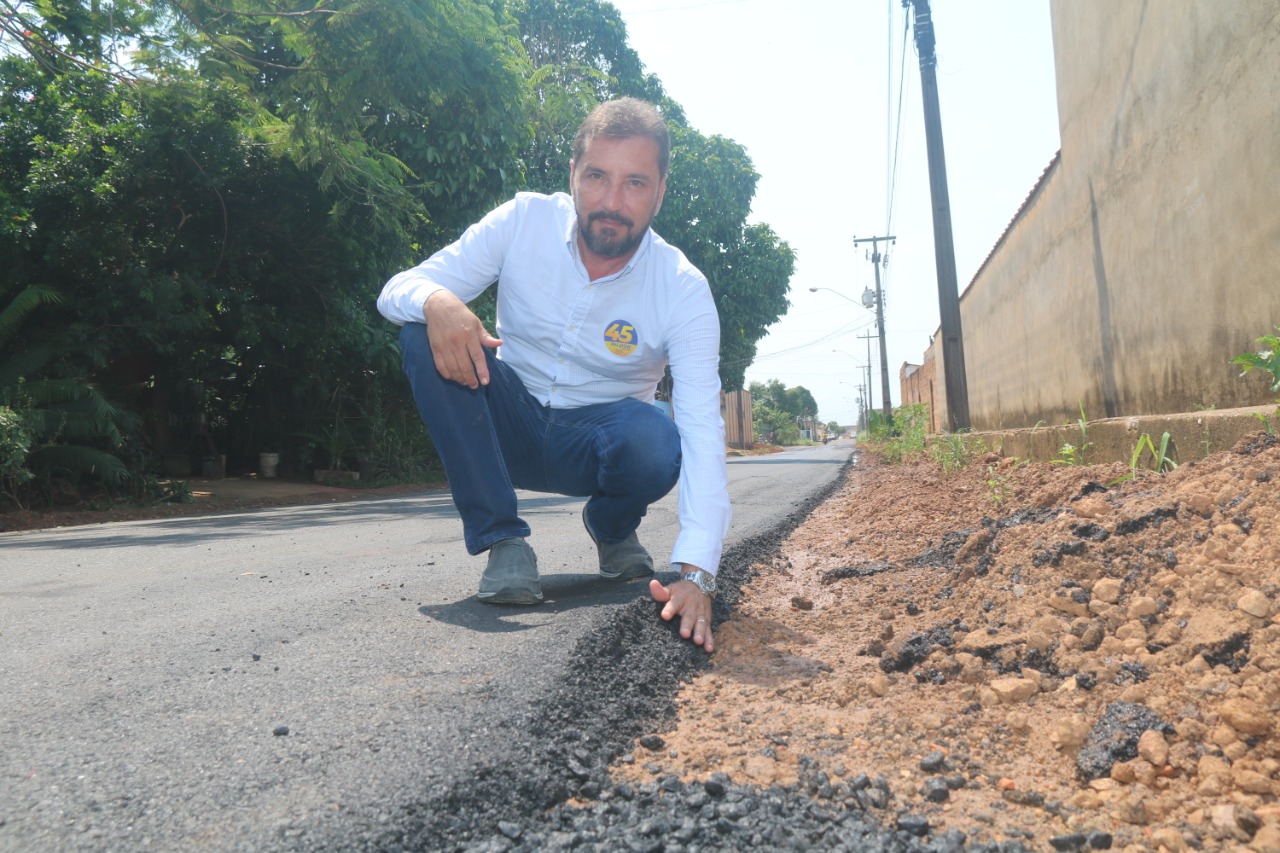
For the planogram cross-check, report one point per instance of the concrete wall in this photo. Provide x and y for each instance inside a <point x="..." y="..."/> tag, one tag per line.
<point x="1148" y="256"/>
<point x="918" y="384"/>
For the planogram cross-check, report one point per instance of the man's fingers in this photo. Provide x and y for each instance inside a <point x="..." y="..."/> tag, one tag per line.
<point x="701" y="632"/>
<point x="479" y="363"/>
<point x="458" y="340"/>
<point x="454" y="368"/>
<point x="479" y="366"/>
<point x="695" y="618"/>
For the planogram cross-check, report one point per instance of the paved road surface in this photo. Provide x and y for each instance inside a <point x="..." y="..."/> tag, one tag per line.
<point x="150" y="670"/>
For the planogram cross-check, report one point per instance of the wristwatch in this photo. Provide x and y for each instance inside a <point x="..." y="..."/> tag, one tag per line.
<point x="703" y="580"/>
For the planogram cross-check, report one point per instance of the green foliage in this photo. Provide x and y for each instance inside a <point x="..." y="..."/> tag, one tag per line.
<point x="998" y="488"/>
<point x="56" y="426"/>
<point x="579" y="56"/>
<point x="1266" y="422"/>
<point x="748" y="266"/>
<point x="15" y="444"/>
<point x="1267" y="359"/>
<point x="1072" y="454"/>
<point x="336" y="440"/>
<point x="777" y="412"/>
<point x="175" y="492"/>
<point x="398" y="449"/>
<point x="901" y="438"/>
<point x="954" y="451"/>
<point x="1161" y="461"/>
<point x="797" y="402"/>
<point x="218" y="191"/>
<point x="401" y="109"/>
<point x="774" y="426"/>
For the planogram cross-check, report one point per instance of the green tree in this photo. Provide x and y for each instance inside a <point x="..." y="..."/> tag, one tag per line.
<point x="580" y="57"/>
<point x="408" y="110"/>
<point x="221" y="215"/>
<point x="51" y="425"/>
<point x="796" y="402"/>
<point x="219" y="189"/>
<point x="779" y="411"/>
<point x="749" y="268"/>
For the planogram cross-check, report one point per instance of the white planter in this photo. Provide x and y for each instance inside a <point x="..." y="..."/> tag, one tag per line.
<point x="267" y="464"/>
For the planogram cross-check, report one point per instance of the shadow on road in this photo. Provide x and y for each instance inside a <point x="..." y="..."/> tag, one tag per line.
<point x="203" y="529"/>
<point x="563" y="593"/>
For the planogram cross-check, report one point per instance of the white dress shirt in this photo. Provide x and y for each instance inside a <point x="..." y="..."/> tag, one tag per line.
<point x="575" y="342"/>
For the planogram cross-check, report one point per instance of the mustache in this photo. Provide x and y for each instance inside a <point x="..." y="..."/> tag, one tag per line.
<point x="600" y="216"/>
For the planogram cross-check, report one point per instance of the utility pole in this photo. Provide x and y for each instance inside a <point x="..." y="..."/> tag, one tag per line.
<point x="870" y="395"/>
<point x="884" y="350"/>
<point x="944" y="250"/>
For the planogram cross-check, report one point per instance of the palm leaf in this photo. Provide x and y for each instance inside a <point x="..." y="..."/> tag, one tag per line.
<point x="24" y="363"/>
<point x="77" y="460"/>
<point x="23" y="304"/>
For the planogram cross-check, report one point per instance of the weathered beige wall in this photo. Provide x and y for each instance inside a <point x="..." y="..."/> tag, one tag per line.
<point x="1149" y="254"/>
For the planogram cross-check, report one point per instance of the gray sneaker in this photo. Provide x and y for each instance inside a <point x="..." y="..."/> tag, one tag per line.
<point x="622" y="561"/>
<point x="511" y="577"/>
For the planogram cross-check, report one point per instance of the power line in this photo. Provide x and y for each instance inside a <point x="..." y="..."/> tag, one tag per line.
<point x="855" y="326"/>
<point x="897" y="130"/>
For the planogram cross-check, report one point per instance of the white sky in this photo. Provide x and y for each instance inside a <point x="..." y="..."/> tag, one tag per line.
<point x="810" y="88"/>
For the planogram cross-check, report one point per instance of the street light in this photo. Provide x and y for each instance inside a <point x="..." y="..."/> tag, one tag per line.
<point x="841" y="295"/>
<point x="868" y="296"/>
<point x="873" y="300"/>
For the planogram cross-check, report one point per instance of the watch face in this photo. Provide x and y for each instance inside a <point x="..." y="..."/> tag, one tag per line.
<point x="704" y="580"/>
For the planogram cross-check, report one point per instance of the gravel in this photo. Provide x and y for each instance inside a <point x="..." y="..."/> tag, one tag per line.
<point x="550" y="789"/>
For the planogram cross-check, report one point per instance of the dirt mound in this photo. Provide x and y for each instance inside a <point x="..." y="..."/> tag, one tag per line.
<point x="1066" y="656"/>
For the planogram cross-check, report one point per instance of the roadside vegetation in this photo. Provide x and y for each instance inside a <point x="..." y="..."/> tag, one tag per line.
<point x="787" y="417"/>
<point x="199" y="211"/>
<point x="905" y="439"/>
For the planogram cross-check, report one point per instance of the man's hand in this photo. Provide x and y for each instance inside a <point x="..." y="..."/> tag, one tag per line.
<point x="692" y="605"/>
<point x="457" y="339"/>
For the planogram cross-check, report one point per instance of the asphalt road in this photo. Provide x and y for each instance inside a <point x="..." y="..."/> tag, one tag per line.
<point x="291" y="678"/>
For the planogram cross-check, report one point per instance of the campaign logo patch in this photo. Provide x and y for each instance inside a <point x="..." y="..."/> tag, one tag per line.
<point x="620" y="337"/>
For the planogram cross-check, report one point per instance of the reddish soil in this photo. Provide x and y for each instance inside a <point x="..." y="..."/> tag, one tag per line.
<point x="971" y="638"/>
<point x="1029" y="652"/>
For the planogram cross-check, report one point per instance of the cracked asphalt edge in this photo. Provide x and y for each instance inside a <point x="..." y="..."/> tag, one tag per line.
<point x="618" y="683"/>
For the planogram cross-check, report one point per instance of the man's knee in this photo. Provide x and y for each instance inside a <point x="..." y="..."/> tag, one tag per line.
<point x="653" y="446"/>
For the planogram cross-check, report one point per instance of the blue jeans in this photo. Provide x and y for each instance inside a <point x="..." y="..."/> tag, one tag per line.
<point x="623" y="455"/>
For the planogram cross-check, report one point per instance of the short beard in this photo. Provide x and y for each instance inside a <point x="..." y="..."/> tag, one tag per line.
<point x="610" y="247"/>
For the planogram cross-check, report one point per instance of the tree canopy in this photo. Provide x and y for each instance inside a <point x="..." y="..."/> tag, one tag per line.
<point x="779" y="412"/>
<point x="212" y="194"/>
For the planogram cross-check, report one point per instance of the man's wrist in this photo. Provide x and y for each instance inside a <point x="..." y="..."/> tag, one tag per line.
<point x="702" y="579"/>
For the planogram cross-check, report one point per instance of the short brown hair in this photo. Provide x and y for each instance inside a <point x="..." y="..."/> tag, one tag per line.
<point x="625" y="118"/>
